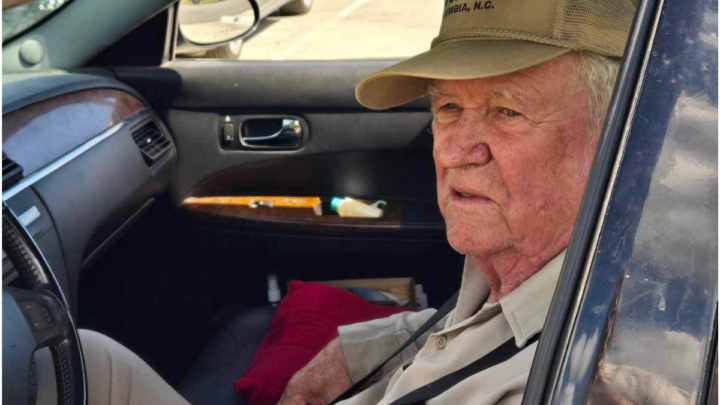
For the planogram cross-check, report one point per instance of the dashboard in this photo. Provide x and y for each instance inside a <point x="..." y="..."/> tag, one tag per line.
<point x="84" y="157"/>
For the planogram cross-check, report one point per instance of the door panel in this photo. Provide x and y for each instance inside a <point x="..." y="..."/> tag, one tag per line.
<point x="198" y="270"/>
<point x="332" y="137"/>
<point x="348" y="150"/>
<point x="216" y="84"/>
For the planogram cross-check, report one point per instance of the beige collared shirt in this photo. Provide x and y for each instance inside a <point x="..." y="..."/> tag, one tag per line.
<point x="470" y="332"/>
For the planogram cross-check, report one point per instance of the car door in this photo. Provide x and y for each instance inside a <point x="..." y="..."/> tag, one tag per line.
<point x="198" y="262"/>
<point x="634" y="316"/>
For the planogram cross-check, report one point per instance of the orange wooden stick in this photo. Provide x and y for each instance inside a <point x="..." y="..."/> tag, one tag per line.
<point x="313" y="203"/>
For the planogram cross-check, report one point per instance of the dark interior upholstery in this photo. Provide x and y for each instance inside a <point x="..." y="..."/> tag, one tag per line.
<point x="226" y="358"/>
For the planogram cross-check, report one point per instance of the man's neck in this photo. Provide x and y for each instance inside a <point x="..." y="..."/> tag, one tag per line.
<point x="506" y="270"/>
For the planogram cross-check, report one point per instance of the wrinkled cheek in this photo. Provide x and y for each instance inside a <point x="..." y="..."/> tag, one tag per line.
<point x="537" y="217"/>
<point x="523" y="217"/>
<point x="442" y="198"/>
<point x="442" y="204"/>
<point x="541" y="207"/>
<point x="441" y="188"/>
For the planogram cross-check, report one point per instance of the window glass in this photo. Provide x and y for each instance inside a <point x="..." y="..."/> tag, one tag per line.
<point x="330" y="30"/>
<point x="18" y="19"/>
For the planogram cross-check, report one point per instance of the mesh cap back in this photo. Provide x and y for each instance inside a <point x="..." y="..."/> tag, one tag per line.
<point x="600" y="26"/>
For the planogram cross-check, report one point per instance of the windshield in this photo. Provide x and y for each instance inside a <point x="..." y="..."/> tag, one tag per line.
<point x="18" y="19"/>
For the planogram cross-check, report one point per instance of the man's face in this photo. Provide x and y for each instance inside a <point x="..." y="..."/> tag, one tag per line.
<point x="511" y="157"/>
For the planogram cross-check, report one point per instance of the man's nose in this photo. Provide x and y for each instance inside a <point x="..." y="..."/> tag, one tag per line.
<point x="466" y="146"/>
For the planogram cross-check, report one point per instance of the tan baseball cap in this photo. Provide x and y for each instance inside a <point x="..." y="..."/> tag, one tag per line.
<point x="493" y="37"/>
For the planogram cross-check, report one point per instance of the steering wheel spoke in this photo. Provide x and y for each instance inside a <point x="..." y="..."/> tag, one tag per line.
<point x="44" y="315"/>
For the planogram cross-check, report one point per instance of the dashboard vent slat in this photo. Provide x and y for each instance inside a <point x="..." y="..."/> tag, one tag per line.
<point x="153" y="143"/>
<point x="11" y="172"/>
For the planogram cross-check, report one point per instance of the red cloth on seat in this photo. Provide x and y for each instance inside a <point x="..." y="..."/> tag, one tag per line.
<point x="305" y="321"/>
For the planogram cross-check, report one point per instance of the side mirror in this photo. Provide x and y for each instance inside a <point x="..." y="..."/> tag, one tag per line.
<point x="206" y="23"/>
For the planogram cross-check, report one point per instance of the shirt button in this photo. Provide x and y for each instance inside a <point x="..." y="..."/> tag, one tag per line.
<point x="441" y="342"/>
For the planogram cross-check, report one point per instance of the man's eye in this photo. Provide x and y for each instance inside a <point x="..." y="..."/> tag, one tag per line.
<point x="510" y="113"/>
<point x="449" y="106"/>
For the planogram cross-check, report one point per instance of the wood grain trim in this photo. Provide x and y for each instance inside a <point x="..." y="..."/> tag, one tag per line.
<point x="241" y="213"/>
<point x="309" y="203"/>
<point x="36" y="135"/>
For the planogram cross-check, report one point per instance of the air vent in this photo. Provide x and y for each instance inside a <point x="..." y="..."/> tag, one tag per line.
<point x="152" y="142"/>
<point x="12" y="172"/>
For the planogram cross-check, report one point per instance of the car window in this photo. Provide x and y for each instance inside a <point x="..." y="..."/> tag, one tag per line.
<point x="632" y="318"/>
<point x="18" y="19"/>
<point x="328" y="30"/>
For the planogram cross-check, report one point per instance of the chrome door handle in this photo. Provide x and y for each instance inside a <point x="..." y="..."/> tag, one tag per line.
<point x="290" y="134"/>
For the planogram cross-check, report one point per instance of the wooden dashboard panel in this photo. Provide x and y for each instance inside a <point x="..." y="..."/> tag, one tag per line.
<point x="36" y="135"/>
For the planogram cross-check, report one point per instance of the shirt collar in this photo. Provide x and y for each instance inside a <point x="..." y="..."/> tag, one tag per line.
<point x="525" y="308"/>
<point x="473" y="292"/>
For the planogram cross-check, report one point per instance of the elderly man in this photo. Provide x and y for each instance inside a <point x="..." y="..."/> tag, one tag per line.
<point x="519" y="90"/>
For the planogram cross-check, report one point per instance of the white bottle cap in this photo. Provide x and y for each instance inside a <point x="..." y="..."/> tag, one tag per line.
<point x="274" y="294"/>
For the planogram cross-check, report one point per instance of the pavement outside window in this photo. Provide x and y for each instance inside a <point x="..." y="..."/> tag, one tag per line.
<point x="347" y="29"/>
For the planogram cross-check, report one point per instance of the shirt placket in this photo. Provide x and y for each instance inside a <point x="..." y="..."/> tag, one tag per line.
<point x="442" y="340"/>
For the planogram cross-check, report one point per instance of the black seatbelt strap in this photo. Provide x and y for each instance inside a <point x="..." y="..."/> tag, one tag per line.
<point x="502" y="353"/>
<point x="437" y="316"/>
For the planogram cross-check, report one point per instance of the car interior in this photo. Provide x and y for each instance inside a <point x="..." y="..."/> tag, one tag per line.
<point x="140" y="263"/>
<point x="170" y="192"/>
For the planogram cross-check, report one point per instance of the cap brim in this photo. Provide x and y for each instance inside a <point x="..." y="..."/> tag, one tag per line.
<point x="459" y="60"/>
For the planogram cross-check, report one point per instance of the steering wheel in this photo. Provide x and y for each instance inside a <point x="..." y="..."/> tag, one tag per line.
<point x="34" y="316"/>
